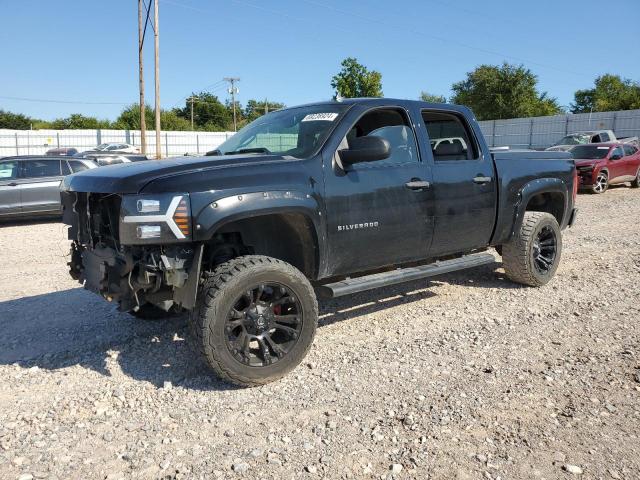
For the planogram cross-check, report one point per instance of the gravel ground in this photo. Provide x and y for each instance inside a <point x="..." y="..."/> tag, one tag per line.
<point x="465" y="376"/>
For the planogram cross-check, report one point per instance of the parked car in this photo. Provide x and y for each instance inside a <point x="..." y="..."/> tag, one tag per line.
<point x="116" y="147"/>
<point x="30" y="185"/>
<point x="601" y="165"/>
<point x="584" y="138"/>
<point x="338" y="196"/>
<point x="62" y="151"/>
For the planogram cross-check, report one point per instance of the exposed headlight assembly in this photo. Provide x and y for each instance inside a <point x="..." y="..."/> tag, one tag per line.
<point x="155" y="219"/>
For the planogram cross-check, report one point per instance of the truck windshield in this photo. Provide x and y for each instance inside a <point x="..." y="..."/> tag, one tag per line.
<point x="573" y="140"/>
<point x="589" y="152"/>
<point x="297" y="132"/>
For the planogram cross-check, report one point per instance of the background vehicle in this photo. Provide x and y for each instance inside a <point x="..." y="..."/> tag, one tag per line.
<point x="30" y="186"/>
<point x="62" y="151"/>
<point x="601" y="165"/>
<point x="115" y="147"/>
<point x="584" y="138"/>
<point x="337" y="196"/>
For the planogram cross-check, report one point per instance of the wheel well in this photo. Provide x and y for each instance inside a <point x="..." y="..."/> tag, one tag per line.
<point x="290" y="237"/>
<point x="550" y="202"/>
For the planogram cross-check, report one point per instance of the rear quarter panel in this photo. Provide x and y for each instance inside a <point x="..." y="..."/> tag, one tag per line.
<point x="522" y="175"/>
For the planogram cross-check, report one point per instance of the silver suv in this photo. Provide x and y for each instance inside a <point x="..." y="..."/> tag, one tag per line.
<point x="30" y="186"/>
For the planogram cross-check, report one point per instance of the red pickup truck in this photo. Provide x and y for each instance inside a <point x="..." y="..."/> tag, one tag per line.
<point x="602" y="164"/>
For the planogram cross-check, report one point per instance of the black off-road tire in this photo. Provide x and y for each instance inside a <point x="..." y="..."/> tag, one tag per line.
<point x="636" y="183"/>
<point x="217" y="293"/>
<point x="148" y="311"/>
<point x="518" y="255"/>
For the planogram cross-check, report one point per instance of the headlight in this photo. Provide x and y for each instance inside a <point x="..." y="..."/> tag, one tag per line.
<point x="153" y="219"/>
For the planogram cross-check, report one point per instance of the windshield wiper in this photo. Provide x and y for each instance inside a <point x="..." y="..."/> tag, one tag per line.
<point x="249" y="150"/>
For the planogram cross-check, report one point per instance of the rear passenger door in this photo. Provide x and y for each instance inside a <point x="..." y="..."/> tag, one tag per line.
<point x="40" y="185"/>
<point x="630" y="161"/>
<point x="464" y="184"/>
<point x="9" y="189"/>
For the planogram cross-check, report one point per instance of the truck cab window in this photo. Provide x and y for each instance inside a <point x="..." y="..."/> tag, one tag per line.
<point x="8" y="170"/>
<point x="393" y="125"/>
<point x="41" y="168"/>
<point x="449" y="137"/>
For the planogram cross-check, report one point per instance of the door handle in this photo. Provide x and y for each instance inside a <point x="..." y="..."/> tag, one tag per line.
<point x="12" y="184"/>
<point x="417" y="184"/>
<point x="481" y="180"/>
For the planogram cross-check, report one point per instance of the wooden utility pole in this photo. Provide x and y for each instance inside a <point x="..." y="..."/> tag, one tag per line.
<point x="156" y="37"/>
<point x="233" y="90"/>
<point x="143" y="123"/>
<point x="191" y="100"/>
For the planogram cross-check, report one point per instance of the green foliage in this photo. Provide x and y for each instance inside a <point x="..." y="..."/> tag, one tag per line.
<point x="129" y="118"/>
<point x="257" y="108"/>
<point x="14" y="121"/>
<point x="208" y="113"/>
<point x="431" y="98"/>
<point x="506" y="91"/>
<point x="610" y="92"/>
<point x="355" y="80"/>
<point x="78" y="121"/>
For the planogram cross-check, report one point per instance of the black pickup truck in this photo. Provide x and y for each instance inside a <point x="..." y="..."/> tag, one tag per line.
<point x="324" y="199"/>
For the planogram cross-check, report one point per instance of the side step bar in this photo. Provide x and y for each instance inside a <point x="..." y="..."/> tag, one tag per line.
<point x="401" y="275"/>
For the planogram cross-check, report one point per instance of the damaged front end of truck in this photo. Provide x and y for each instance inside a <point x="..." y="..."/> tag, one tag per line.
<point x="133" y="249"/>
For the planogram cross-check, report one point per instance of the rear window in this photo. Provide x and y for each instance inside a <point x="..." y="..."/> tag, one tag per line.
<point x="449" y="136"/>
<point x="41" y="168"/>
<point x="77" y="166"/>
<point x="589" y="152"/>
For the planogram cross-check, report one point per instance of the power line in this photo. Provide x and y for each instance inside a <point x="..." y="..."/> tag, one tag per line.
<point x="77" y="102"/>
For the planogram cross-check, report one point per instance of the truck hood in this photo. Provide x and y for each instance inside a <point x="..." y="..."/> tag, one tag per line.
<point x="132" y="177"/>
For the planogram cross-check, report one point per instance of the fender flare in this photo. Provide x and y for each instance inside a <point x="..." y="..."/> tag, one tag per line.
<point x="536" y="187"/>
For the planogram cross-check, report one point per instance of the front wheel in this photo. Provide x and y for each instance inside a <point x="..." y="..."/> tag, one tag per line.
<point x="601" y="184"/>
<point x="255" y="319"/>
<point x="636" y="182"/>
<point x="533" y="254"/>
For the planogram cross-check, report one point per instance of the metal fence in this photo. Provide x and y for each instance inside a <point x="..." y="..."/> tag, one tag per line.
<point x="535" y="132"/>
<point x="541" y="132"/>
<point x="37" y="142"/>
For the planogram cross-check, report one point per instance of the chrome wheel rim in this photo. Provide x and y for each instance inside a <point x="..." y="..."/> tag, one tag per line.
<point x="601" y="183"/>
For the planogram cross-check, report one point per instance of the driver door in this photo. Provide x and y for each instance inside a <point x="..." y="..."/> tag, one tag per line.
<point x="379" y="213"/>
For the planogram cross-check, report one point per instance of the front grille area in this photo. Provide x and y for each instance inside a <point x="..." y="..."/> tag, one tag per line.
<point x="93" y="218"/>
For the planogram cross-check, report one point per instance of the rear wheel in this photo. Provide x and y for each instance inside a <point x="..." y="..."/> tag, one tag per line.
<point x="533" y="254"/>
<point x="636" y="183"/>
<point x="601" y="184"/>
<point x="255" y="319"/>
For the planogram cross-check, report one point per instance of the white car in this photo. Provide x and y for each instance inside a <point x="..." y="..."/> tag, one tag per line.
<point x="116" y="147"/>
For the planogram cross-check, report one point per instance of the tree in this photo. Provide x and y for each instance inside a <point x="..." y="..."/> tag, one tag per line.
<point x="355" y="80"/>
<point x="610" y="92"/>
<point x="257" y="108"/>
<point x="78" y="121"/>
<point x="129" y="118"/>
<point x="208" y="112"/>
<point x="431" y="98"/>
<point x="506" y="91"/>
<point x="15" y="121"/>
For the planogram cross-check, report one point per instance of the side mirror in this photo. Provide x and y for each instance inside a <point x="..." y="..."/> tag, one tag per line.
<point x="615" y="156"/>
<point x="365" y="149"/>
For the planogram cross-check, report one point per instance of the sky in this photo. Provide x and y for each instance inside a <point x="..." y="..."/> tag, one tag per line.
<point x="81" y="55"/>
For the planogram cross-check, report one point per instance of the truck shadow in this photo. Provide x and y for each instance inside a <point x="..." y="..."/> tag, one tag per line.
<point x="77" y="328"/>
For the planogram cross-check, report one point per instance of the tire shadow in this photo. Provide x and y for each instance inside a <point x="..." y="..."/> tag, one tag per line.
<point x="77" y="328"/>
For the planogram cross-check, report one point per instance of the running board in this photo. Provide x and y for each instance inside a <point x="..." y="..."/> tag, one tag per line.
<point x="401" y="275"/>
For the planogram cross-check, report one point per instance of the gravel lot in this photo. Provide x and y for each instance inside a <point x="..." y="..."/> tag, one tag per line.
<point x="465" y="376"/>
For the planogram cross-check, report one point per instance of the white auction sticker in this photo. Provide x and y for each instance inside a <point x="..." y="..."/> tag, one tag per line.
<point x="603" y="148"/>
<point x="312" y="117"/>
